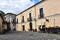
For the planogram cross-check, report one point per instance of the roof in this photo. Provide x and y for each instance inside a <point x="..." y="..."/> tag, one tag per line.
<point x="10" y="14"/>
<point x="31" y="7"/>
<point x="2" y="14"/>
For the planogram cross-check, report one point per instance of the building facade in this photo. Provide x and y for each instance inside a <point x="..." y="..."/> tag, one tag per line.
<point x="46" y="13"/>
<point x="10" y="18"/>
<point x="3" y="23"/>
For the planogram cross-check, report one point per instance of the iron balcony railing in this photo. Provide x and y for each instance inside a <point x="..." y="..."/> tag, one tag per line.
<point x="39" y="17"/>
<point x="22" y="21"/>
<point x="29" y="19"/>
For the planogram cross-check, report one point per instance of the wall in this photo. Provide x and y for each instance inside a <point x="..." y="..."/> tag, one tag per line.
<point x="50" y="7"/>
<point x="1" y="24"/>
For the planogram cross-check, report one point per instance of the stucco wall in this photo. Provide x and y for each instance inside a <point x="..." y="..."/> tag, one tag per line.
<point x="50" y="7"/>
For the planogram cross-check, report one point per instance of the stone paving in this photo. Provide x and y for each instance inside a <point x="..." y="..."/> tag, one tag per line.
<point x="29" y="36"/>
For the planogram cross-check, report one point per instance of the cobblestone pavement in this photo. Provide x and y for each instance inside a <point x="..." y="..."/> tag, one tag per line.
<point x="29" y="36"/>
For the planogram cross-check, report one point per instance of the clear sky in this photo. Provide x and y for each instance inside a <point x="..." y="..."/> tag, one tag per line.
<point x="16" y="6"/>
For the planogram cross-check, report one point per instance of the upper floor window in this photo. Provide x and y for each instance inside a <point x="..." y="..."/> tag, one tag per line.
<point x="22" y="18"/>
<point x="41" y="12"/>
<point x="17" y="20"/>
<point x="30" y="16"/>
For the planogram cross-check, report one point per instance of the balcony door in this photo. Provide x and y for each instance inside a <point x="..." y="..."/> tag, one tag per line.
<point x="41" y="13"/>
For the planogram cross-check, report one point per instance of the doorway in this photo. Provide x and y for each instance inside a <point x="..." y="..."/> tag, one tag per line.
<point x="8" y="27"/>
<point x="30" y="26"/>
<point x="23" y="27"/>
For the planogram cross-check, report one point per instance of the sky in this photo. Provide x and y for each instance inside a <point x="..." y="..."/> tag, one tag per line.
<point x="16" y="6"/>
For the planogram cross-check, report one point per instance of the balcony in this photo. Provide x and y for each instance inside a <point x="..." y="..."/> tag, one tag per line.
<point x="39" y="17"/>
<point x="22" y="21"/>
<point x="29" y="19"/>
<point x="32" y="19"/>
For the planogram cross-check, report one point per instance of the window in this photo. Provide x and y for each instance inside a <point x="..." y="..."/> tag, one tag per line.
<point x="22" y="18"/>
<point x="17" y="21"/>
<point x="41" y="13"/>
<point x="30" y="17"/>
